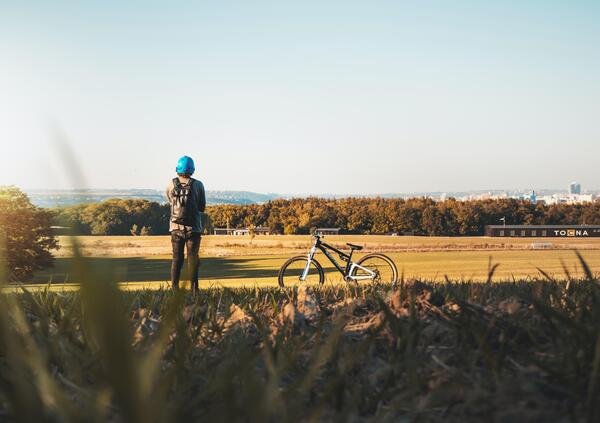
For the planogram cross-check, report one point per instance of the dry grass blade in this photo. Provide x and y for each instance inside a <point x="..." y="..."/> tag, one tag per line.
<point x="593" y="384"/>
<point x="491" y="270"/>
<point x="150" y="366"/>
<point x="322" y="354"/>
<point x="107" y="328"/>
<point x="546" y="275"/>
<point x="566" y="270"/>
<point x="31" y="389"/>
<point x="29" y="366"/>
<point x="586" y="268"/>
<point x="3" y="270"/>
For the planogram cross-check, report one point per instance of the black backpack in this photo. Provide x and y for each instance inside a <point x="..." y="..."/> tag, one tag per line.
<point x="183" y="207"/>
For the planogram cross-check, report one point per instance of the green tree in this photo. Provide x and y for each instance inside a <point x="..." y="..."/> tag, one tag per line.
<point x="115" y="217"/>
<point x="25" y="231"/>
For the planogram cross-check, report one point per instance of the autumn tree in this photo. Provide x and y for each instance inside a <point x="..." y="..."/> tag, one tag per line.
<point x="25" y="234"/>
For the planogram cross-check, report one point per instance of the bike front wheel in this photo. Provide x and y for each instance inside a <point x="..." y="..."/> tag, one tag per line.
<point x="292" y="270"/>
<point x="376" y="268"/>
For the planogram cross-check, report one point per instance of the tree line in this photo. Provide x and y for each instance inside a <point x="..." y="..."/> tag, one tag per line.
<point x="418" y="216"/>
<point x="114" y="217"/>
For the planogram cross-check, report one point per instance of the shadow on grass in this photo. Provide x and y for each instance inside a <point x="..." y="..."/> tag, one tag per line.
<point x="139" y="269"/>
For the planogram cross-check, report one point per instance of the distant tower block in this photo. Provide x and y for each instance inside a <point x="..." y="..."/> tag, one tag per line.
<point x="575" y="188"/>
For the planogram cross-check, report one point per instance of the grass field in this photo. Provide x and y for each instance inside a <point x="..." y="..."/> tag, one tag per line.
<point x="239" y="261"/>
<point x="526" y="350"/>
<point x="286" y="244"/>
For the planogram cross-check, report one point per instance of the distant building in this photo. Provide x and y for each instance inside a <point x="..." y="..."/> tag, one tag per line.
<point x="575" y="188"/>
<point x="567" y="199"/>
<point x="259" y="230"/>
<point x="543" y="231"/>
<point x="541" y="246"/>
<point x="61" y="230"/>
<point x="585" y="198"/>
<point x="328" y="231"/>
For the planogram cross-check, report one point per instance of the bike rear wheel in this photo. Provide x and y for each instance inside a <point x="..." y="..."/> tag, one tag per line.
<point x="292" y="270"/>
<point x="382" y="267"/>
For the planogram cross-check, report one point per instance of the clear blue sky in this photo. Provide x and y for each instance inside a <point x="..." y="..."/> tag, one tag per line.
<point x="376" y="96"/>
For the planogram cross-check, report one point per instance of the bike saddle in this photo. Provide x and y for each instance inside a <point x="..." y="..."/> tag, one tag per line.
<point x="354" y="246"/>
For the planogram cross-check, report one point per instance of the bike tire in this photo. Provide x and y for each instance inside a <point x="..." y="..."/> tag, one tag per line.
<point x="288" y="270"/>
<point x="392" y="274"/>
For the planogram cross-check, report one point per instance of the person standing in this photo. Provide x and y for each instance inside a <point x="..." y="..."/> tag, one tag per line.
<point x="188" y="200"/>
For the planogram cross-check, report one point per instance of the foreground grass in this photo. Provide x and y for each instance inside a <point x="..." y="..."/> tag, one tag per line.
<point x="526" y="351"/>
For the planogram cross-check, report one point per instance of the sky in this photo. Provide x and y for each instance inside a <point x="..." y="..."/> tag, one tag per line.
<point x="345" y="97"/>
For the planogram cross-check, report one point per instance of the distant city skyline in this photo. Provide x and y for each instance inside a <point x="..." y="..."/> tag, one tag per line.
<point x="566" y="190"/>
<point x="61" y="198"/>
<point x="571" y="188"/>
<point x="345" y="97"/>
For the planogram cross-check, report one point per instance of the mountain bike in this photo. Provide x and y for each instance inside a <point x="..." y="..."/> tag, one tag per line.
<point x="373" y="267"/>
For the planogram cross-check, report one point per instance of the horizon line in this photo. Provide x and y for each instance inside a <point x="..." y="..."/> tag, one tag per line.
<point x="321" y="194"/>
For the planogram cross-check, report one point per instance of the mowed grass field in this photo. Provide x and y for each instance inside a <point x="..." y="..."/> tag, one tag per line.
<point x="242" y="261"/>
<point x="216" y="245"/>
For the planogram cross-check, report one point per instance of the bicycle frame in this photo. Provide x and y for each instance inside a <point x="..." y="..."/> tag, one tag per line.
<point x="350" y="265"/>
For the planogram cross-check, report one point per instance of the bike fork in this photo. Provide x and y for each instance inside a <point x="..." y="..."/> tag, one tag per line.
<point x="310" y="256"/>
